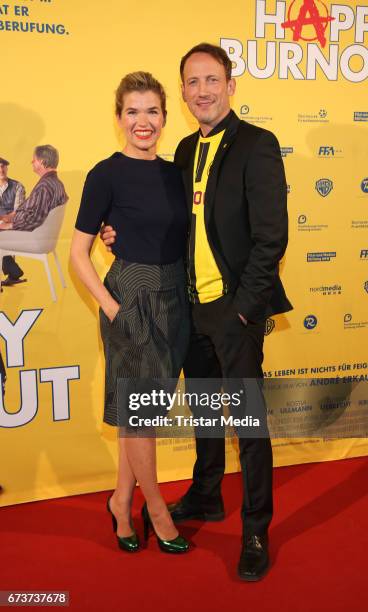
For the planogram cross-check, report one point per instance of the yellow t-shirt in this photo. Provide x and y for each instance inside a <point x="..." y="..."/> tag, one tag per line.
<point x="207" y="282"/>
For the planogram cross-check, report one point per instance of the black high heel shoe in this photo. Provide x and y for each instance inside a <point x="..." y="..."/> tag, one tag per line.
<point x="130" y="543"/>
<point x="175" y="546"/>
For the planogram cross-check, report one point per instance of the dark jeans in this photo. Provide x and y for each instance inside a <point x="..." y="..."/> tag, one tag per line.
<point x="11" y="268"/>
<point x="221" y="346"/>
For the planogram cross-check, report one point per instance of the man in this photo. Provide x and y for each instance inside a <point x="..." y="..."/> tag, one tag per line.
<point x="48" y="193"/>
<point x="236" y="193"/>
<point x="12" y="194"/>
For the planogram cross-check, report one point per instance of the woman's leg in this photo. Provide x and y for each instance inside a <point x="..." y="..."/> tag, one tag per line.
<point x="121" y="499"/>
<point x="142" y="458"/>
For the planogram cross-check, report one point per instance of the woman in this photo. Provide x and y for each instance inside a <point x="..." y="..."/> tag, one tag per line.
<point x="144" y="315"/>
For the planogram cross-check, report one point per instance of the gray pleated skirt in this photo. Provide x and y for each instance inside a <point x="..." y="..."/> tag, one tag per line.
<point x="149" y="336"/>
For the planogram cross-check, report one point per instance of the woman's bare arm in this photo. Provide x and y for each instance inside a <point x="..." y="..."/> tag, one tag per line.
<point x="80" y="257"/>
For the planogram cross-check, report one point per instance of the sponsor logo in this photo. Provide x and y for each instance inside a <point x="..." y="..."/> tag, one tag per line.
<point x="366" y="286"/>
<point x="245" y="110"/>
<point x="320" y="117"/>
<point x="349" y="323"/>
<point x="364" y="254"/>
<point x="288" y="187"/>
<point x="321" y="256"/>
<point x="329" y="151"/>
<point x="285" y="151"/>
<point x="278" y="50"/>
<point x="327" y="289"/>
<point x="359" y="224"/>
<point x="324" y="186"/>
<point x="364" y="185"/>
<point x="303" y="226"/>
<point x="361" y="116"/>
<point x="270" y="326"/>
<point x="310" y="322"/>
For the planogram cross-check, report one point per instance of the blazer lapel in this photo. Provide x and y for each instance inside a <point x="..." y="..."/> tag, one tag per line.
<point x="227" y="139"/>
<point x="188" y="172"/>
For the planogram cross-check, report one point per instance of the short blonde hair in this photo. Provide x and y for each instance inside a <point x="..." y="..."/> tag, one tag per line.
<point x="139" y="81"/>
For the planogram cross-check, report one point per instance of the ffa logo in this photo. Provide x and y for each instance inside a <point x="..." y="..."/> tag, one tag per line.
<point x="366" y="286"/>
<point x="326" y="151"/>
<point x="347" y="317"/>
<point x="302" y="219"/>
<point x="324" y="187"/>
<point x="244" y="110"/>
<point x="270" y="326"/>
<point x="310" y="322"/>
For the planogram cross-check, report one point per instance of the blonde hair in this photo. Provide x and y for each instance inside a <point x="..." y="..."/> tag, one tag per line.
<point x="139" y="81"/>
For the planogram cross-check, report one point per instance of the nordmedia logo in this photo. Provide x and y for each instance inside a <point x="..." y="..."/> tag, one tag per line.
<point x="327" y="289"/>
<point x="310" y="321"/>
<point x="324" y="186"/>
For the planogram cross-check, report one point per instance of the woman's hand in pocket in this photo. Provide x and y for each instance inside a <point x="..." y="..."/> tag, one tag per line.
<point x="112" y="311"/>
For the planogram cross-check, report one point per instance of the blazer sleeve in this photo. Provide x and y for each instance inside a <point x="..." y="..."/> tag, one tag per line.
<point x="266" y="192"/>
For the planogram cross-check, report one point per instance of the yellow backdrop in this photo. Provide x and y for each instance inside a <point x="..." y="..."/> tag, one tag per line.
<point x="60" y="64"/>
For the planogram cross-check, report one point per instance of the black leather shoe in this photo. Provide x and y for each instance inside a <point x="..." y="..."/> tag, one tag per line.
<point x="254" y="560"/>
<point x="184" y="511"/>
<point x="9" y="281"/>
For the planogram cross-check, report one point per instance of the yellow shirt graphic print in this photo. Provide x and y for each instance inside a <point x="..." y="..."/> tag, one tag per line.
<point x="208" y="279"/>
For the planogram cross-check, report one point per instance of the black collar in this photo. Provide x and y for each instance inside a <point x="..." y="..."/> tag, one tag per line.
<point x="220" y="127"/>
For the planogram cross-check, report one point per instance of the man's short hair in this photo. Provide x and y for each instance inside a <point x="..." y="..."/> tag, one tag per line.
<point x="4" y="162"/>
<point x="48" y="155"/>
<point x="218" y="53"/>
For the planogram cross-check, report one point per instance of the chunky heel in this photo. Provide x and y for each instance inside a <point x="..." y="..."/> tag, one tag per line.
<point x="176" y="546"/>
<point x="146" y="522"/>
<point x="129" y="543"/>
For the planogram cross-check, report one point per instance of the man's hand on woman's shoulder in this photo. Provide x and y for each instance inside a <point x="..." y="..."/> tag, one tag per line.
<point x="107" y="235"/>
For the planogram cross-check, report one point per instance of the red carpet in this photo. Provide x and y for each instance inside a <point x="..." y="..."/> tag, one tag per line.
<point x="319" y="544"/>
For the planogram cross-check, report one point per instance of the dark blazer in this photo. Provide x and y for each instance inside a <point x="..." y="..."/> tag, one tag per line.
<point x="245" y="214"/>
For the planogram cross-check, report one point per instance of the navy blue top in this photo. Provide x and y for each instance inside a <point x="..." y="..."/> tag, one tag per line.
<point x="144" y="201"/>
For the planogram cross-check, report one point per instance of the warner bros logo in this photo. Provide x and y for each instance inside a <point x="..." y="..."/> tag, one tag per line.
<point x="324" y="186"/>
